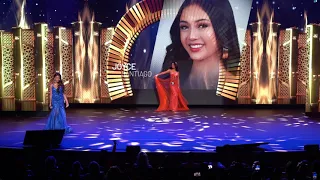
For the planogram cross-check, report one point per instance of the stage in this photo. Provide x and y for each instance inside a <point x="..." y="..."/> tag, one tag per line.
<point x="199" y="130"/>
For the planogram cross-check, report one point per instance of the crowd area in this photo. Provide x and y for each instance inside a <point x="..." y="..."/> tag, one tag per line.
<point x="141" y="167"/>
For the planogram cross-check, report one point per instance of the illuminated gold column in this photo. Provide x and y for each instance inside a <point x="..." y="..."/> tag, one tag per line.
<point x="303" y="69"/>
<point x="87" y="61"/>
<point x="272" y="45"/>
<point x="288" y="66"/>
<point x="63" y="58"/>
<point x="79" y="59"/>
<point x="24" y="63"/>
<point x="264" y="62"/>
<point x="105" y="41"/>
<point x="244" y="93"/>
<point x="44" y="64"/>
<point x="313" y="50"/>
<point x="257" y="58"/>
<point x="94" y="59"/>
<point x="7" y="92"/>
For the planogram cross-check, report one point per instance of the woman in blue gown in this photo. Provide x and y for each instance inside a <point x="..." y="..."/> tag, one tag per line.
<point x="57" y="118"/>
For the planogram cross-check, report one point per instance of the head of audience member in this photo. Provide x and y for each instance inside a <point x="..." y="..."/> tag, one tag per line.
<point x="50" y="163"/>
<point x="303" y="170"/>
<point x="76" y="169"/>
<point x="94" y="168"/>
<point x="143" y="160"/>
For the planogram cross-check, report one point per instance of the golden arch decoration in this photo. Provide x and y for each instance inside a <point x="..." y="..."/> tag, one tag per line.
<point x="136" y="19"/>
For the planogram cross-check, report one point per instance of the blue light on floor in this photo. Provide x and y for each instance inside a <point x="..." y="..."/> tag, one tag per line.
<point x="200" y="131"/>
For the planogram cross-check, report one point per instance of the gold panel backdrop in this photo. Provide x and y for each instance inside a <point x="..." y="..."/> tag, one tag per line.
<point x="287" y="66"/>
<point x="24" y="62"/>
<point x="245" y="77"/>
<point x="303" y="68"/>
<point x="44" y="64"/>
<point x="7" y="92"/>
<point x="105" y="42"/>
<point x="63" y="57"/>
<point x="313" y="51"/>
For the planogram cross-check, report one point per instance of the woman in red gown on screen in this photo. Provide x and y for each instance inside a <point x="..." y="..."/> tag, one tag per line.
<point x="170" y="96"/>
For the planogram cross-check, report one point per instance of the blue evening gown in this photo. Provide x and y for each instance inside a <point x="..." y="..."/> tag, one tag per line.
<point x="57" y="118"/>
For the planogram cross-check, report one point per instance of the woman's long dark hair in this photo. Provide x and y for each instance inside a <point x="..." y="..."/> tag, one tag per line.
<point x="222" y="19"/>
<point x="175" y="66"/>
<point x="60" y="83"/>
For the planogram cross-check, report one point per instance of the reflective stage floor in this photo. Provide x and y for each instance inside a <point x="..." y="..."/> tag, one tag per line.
<point x="200" y="130"/>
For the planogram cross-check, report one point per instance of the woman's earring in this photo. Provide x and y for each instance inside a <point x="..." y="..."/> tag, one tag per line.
<point x="225" y="53"/>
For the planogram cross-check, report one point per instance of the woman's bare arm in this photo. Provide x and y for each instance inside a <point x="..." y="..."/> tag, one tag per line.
<point x="50" y="96"/>
<point x="164" y="72"/>
<point x="66" y="100"/>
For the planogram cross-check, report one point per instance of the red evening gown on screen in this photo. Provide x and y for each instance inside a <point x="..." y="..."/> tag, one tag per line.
<point x="170" y="96"/>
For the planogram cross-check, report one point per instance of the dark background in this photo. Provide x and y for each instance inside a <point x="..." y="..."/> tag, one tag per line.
<point x="63" y="12"/>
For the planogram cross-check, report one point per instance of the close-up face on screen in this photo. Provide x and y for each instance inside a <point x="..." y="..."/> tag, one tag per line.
<point x="202" y="37"/>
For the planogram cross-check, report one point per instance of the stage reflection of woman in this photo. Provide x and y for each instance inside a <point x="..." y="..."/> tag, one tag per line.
<point x="57" y="118"/>
<point x="169" y="92"/>
<point x="204" y="37"/>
